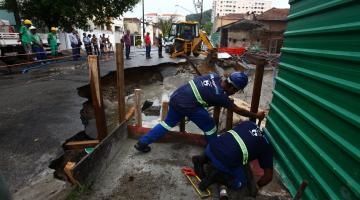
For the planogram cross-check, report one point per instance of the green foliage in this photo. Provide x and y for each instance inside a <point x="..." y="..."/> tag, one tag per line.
<point x="71" y="13"/>
<point x="205" y="22"/>
<point x="165" y="26"/>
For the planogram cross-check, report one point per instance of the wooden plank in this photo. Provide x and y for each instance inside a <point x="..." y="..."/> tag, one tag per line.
<point x="164" y="110"/>
<point x="68" y="169"/>
<point x="136" y="132"/>
<point x="120" y="81"/>
<point x="130" y="113"/>
<point x="216" y="115"/>
<point x="97" y="98"/>
<point x="229" y="118"/>
<point x="138" y="107"/>
<point x="90" y="167"/>
<point x="259" y="73"/>
<point x="81" y="144"/>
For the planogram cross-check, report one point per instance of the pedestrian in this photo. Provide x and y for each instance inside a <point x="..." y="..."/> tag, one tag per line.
<point x="127" y="41"/>
<point x="90" y="46"/>
<point x="52" y="41"/>
<point x="148" y="45"/>
<point x="160" y="40"/>
<point x="25" y="38"/>
<point x="74" y="44"/>
<point x="87" y="44"/>
<point x="37" y="44"/>
<point x="189" y="101"/>
<point x="95" y="44"/>
<point x="230" y="152"/>
<point x="79" y="45"/>
<point x="102" y="44"/>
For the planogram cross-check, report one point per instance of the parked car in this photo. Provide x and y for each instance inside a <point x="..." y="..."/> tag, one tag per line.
<point x="167" y="43"/>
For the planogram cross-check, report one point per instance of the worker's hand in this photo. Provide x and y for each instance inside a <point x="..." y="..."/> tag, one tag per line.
<point x="260" y="115"/>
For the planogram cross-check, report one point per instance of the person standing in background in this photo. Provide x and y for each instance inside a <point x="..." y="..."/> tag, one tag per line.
<point x="95" y="44"/>
<point x="74" y="44"/>
<point x="127" y="41"/>
<point x="160" y="45"/>
<point x="52" y="41"/>
<point x="87" y="44"/>
<point x="25" y="38"/>
<point x="90" y="48"/>
<point x="148" y="45"/>
<point x="102" y="44"/>
<point x="37" y="44"/>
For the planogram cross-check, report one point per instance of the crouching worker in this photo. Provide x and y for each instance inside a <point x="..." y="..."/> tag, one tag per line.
<point x="189" y="101"/>
<point x="228" y="153"/>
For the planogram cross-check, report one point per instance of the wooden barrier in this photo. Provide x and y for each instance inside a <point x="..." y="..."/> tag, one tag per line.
<point x="96" y="96"/>
<point x="120" y="81"/>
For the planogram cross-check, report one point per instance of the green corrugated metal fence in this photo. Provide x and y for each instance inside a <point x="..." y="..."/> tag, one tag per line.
<point x="314" y="119"/>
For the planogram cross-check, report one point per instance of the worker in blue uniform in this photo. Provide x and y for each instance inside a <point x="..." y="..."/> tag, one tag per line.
<point x="189" y="101"/>
<point x="230" y="152"/>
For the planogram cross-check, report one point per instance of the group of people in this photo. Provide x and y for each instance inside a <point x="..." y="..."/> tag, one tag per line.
<point x="93" y="45"/>
<point x="226" y="154"/>
<point x="147" y="40"/>
<point x="32" y="42"/>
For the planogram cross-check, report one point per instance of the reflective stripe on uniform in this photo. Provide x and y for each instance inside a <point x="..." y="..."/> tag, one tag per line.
<point x="242" y="146"/>
<point x="167" y="127"/>
<point x="212" y="131"/>
<point x="197" y="93"/>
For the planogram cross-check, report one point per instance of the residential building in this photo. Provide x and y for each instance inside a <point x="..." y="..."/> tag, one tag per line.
<point x="224" y="7"/>
<point x="264" y="31"/>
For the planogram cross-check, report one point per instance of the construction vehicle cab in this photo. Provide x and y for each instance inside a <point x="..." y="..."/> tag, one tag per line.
<point x="187" y="39"/>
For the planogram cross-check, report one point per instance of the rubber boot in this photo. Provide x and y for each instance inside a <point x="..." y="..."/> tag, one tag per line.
<point x="199" y="162"/>
<point x="142" y="147"/>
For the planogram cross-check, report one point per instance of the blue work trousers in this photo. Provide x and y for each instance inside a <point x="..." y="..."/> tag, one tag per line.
<point x="148" y="50"/>
<point x="237" y="173"/>
<point x="40" y="53"/>
<point x="199" y="116"/>
<point x="127" y="51"/>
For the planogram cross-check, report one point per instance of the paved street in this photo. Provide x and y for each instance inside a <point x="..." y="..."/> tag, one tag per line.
<point x="40" y="110"/>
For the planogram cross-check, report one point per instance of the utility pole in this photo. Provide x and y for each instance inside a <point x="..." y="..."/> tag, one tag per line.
<point x="201" y="12"/>
<point x="143" y="18"/>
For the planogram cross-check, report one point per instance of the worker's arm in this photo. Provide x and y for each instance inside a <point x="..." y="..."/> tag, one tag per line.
<point x="266" y="178"/>
<point x="246" y="113"/>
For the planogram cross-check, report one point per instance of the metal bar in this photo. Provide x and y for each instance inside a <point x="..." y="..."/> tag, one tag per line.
<point x="182" y="125"/>
<point x="229" y="118"/>
<point x="96" y="96"/>
<point x="120" y="81"/>
<point x="216" y="115"/>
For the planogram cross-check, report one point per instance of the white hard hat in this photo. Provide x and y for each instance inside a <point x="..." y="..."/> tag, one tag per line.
<point x="32" y="27"/>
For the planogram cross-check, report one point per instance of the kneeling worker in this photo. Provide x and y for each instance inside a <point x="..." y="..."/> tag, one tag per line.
<point x="189" y="101"/>
<point x="228" y="154"/>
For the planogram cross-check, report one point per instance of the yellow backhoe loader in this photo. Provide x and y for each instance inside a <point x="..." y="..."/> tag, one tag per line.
<point x="188" y="39"/>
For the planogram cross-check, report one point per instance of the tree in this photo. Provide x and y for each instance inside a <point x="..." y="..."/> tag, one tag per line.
<point x="205" y="22"/>
<point x="165" y="25"/>
<point x="70" y="13"/>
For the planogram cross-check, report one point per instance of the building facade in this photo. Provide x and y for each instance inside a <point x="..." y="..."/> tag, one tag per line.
<point x="224" y="7"/>
<point x="156" y="17"/>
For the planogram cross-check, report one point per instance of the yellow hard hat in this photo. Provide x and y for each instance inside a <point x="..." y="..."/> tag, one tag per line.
<point x="53" y="29"/>
<point x="27" y="22"/>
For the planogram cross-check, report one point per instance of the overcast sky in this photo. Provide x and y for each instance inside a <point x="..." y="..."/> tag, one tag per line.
<point x="168" y="6"/>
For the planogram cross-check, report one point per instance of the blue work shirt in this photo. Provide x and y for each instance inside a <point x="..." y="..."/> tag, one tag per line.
<point x="209" y="87"/>
<point x="228" y="151"/>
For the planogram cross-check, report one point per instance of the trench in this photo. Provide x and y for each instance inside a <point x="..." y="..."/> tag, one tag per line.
<point x="157" y="83"/>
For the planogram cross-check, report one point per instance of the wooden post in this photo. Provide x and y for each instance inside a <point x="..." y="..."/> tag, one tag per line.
<point x="138" y="107"/>
<point x="164" y="110"/>
<point x="96" y="96"/>
<point x="182" y="125"/>
<point x="255" y="100"/>
<point x="120" y="81"/>
<point x="229" y="118"/>
<point x="216" y="115"/>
